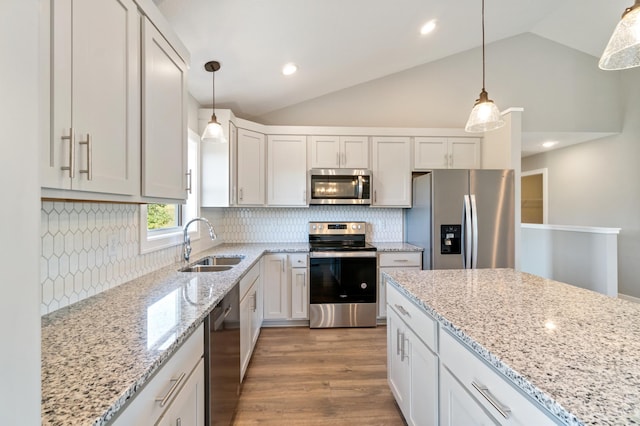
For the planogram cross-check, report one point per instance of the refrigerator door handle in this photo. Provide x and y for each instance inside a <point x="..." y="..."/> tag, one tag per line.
<point x="467" y="236"/>
<point x="474" y="224"/>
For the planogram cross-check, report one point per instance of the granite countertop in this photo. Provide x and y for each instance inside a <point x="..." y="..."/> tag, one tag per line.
<point x="396" y="247"/>
<point x="575" y="351"/>
<point x="98" y="352"/>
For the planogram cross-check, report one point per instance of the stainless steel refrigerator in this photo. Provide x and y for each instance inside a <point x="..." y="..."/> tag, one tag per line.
<point x="463" y="219"/>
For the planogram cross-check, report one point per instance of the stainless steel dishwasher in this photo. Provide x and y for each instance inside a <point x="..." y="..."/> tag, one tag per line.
<point x="222" y="356"/>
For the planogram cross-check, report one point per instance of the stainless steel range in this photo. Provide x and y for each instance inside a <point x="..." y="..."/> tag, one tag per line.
<point x="342" y="276"/>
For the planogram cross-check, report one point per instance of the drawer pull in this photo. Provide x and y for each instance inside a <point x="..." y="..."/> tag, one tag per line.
<point x="402" y="310"/>
<point x="484" y="391"/>
<point x="176" y="384"/>
<point x="401" y="260"/>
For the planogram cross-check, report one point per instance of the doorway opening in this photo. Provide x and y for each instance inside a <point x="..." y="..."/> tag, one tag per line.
<point x="534" y="196"/>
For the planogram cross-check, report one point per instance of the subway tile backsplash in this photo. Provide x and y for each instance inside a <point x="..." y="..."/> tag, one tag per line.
<point x="88" y="248"/>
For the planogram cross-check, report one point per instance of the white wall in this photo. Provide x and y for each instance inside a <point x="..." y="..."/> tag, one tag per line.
<point x="19" y="307"/>
<point x="598" y="184"/>
<point x="560" y="89"/>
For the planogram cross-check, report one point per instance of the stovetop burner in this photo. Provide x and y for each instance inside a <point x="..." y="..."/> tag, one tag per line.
<point x="338" y="236"/>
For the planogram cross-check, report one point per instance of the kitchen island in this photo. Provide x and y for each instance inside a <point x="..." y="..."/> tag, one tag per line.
<point x="573" y="351"/>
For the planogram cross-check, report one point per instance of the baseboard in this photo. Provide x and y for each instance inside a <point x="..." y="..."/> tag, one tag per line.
<point x="629" y="298"/>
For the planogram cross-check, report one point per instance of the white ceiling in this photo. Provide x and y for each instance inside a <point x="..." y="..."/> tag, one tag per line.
<point x="340" y="43"/>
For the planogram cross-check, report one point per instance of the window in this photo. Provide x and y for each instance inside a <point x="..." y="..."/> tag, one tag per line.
<point x="164" y="222"/>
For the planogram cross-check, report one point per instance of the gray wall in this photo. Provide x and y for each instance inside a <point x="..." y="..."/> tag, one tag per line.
<point x="598" y="184"/>
<point x="552" y="82"/>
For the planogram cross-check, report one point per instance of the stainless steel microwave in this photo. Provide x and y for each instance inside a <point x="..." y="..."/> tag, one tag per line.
<point x="339" y="186"/>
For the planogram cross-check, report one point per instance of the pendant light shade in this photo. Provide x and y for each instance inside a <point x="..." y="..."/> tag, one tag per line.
<point x="485" y="115"/>
<point x="213" y="132"/>
<point x="623" y="49"/>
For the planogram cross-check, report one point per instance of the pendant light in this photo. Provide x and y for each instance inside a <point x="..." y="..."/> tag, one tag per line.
<point x="485" y="115"/>
<point x="213" y="132"/>
<point x="623" y="49"/>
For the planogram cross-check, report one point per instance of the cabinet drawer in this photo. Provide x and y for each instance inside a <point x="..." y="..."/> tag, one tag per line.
<point x="247" y="281"/>
<point x="423" y="325"/>
<point x="144" y="409"/>
<point x="400" y="259"/>
<point x="298" y="260"/>
<point x="470" y="370"/>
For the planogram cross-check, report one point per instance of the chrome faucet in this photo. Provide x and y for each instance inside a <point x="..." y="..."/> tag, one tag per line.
<point x="187" y="238"/>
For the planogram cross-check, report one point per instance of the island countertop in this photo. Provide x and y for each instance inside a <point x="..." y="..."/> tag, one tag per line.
<point x="575" y="351"/>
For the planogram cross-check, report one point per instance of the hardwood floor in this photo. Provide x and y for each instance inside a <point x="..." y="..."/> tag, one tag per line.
<point x="302" y="376"/>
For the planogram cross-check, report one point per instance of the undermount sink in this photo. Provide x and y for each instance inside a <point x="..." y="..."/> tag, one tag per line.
<point x="206" y="268"/>
<point x="213" y="264"/>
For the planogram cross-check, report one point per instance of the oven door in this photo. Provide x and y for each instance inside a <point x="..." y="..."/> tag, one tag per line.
<point x="342" y="277"/>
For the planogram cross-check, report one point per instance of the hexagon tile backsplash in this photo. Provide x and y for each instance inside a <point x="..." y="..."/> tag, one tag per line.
<point x="88" y="248"/>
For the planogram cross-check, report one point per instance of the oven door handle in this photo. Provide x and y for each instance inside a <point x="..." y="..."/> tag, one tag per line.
<point x="329" y="254"/>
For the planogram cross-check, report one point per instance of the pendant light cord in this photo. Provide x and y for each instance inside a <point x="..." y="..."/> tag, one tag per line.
<point x="483" y="83"/>
<point x="213" y="89"/>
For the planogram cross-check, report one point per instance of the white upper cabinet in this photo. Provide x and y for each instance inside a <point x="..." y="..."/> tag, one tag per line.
<point x="164" y="118"/>
<point x="287" y="171"/>
<point x="94" y="142"/>
<point x="345" y="152"/>
<point x="251" y="147"/>
<point x="446" y="153"/>
<point x="391" y="171"/>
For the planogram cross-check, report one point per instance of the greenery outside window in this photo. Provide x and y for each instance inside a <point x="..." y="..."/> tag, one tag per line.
<point x="161" y="224"/>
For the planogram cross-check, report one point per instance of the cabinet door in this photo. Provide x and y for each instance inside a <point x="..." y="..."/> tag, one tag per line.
<point x="164" y="137"/>
<point x="382" y="288"/>
<point x="464" y="153"/>
<point x="391" y="172"/>
<point x="325" y="152"/>
<point x="287" y="171"/>
<point x="423" y="393"/>
<point x="430" y="153"/>
<point x="354" y="151"/>
<point x="250" y="168"/>
<point x="457" y="407"/>
<point x="95" y="101"/>
<point x="398" y="373"/>
<point x="299" y="294"/>
<point x="246" y="322"/>
<point x="276" y="290"/>
<point x="188" y="406"/>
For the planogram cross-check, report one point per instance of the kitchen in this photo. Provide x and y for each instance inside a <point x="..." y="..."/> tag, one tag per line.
<point x="614" y="156"/>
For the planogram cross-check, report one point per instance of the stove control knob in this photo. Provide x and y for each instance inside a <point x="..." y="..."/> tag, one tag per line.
<point x="320" y="226"/>
<point x="353" y="226"/>
<point x="359" y="227"/>
<point x="313" y="227"/>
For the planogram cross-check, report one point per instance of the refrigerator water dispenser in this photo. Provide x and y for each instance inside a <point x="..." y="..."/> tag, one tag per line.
<point x="450" y="236"/>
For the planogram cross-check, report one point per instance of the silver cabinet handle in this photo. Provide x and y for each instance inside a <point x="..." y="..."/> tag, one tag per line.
<point x="375" y="196"/>
<point x="189" y="181"/>
<point x="402" y="310"/>
<point x="484" y="391"/>
<point x="254" y="296"/>
<point x="401" y="260"/>
<point x="304" y="196"/>
<point x="178" y="421"/>
<point x="241" y="196"/>
<point x="403" y="354"/>
<point x="89" y="170"/>
<point x="398" y="341"/>
<point x="176" y="384"/>
<point x="337" y="159"/>
<point x="72" y="153"/>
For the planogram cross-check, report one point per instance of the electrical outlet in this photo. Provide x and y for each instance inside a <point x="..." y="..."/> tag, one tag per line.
<point x="112" y="245"/>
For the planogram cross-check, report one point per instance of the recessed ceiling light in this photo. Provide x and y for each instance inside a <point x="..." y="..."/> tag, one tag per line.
<point x="289" y="69"/>
<point x="428" y="27"/>
<point x="549" y="144"/>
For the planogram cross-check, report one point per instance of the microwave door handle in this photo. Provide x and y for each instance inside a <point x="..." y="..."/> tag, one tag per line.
<point x="360" y="187"/>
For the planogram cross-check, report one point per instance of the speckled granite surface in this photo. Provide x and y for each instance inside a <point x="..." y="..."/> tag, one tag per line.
<point x="396" y="247"/>
<point x="575" y="351"/>
<point x="98" y="352"/>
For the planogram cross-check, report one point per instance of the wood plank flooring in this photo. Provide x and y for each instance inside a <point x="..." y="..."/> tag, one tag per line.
<point x="302" y="376"/>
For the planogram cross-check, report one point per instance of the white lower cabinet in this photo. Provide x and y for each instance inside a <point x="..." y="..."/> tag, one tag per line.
<point x="393" y="261"/>
<point x="286" y="288"/>
<point x="412" y="373"/>
<point x="176" y="392"/>
<point x="250" y="315"/>
<point x="421" y="354"/>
